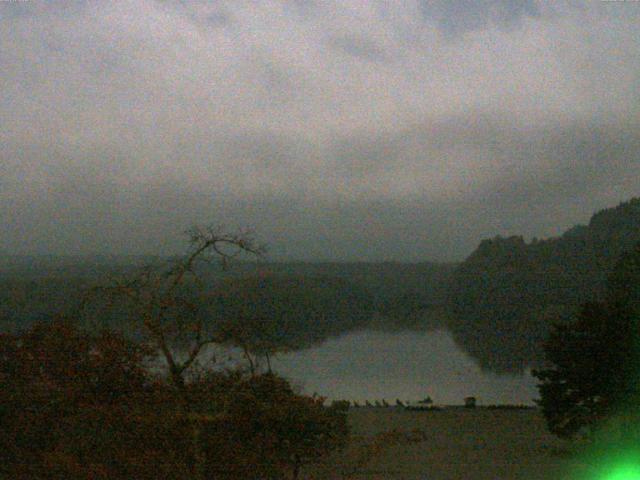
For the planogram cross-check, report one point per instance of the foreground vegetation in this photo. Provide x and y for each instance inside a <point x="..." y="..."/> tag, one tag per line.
<point x="593" y="361"/>
<point x="79" y="406"/>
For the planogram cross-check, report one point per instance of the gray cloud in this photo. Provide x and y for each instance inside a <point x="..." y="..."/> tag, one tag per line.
<point x="359" y="47"/>
<point x="346" y="130"/>
<point x="468" y="15"/>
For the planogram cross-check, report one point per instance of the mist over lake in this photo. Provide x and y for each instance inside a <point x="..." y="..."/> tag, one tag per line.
<point x="370" y="365"/>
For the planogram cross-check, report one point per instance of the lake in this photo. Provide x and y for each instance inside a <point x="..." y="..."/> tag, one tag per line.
<point x="374" y="365"/>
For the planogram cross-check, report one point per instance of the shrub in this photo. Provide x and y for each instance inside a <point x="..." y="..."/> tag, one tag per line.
<point x="269" y="431"/>
<point x="79" y="406"/>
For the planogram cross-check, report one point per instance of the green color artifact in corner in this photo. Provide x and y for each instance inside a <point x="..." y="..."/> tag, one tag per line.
<point x="625" y="472"/>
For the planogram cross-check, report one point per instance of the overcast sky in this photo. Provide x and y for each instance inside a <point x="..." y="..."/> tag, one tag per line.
<point x="345" y="130"/>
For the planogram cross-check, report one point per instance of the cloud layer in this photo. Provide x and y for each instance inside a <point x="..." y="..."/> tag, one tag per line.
<point x="344" y="130"/>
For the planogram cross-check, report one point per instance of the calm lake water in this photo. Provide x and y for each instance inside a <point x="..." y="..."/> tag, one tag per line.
<point x="370" y="365"/>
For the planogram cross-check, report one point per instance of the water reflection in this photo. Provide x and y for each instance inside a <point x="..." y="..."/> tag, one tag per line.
<point x="371" y="365"/>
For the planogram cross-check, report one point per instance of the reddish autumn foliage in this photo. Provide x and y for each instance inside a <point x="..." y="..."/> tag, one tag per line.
<point x="71" y="404"/>
<point x="268" y="431"/>
<point x="80" y="406"/>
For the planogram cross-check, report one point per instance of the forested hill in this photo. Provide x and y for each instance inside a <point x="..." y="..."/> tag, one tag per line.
<point x="505" y="295"/>
<point x="385" y="295"/>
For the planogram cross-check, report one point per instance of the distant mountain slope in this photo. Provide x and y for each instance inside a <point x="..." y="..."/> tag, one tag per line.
<point x="384" y="295"/>
<point x="505" y="295"/>
<point x="398" y="290"/>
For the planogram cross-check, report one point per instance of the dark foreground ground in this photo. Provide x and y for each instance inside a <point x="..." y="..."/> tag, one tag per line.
<point x="455" y="444"/>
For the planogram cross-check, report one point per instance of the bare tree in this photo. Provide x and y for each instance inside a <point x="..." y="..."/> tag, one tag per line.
<point x="259" y="337"/>
<point x="166" y="307"/>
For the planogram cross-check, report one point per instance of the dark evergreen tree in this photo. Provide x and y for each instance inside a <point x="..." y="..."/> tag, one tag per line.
<point x="594" y="360"/>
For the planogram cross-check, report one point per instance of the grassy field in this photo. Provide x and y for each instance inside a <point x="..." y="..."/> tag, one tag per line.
<point x="456" y="444"/>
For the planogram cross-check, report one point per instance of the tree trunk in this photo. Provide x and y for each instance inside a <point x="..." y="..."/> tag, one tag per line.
<point x="268" y="358"/>
<point x="199" y="457"/>
<point x="296" y="467"/>
<point x="252" y="366"/>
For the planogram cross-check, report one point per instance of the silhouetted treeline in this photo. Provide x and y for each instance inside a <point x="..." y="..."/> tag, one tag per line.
<point x="336" y="297"/>
<point x="273" y="313"/>
<point x="507" y="293"/>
